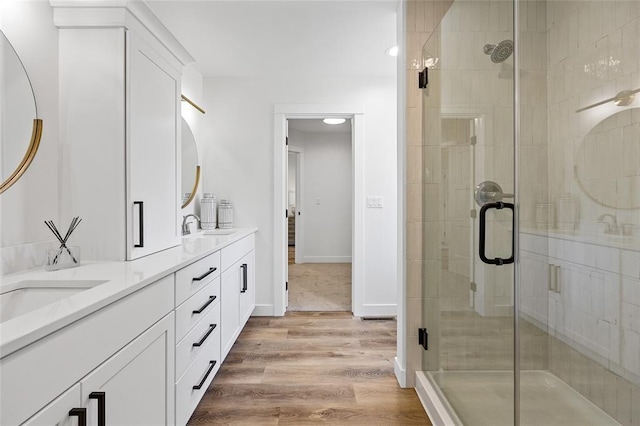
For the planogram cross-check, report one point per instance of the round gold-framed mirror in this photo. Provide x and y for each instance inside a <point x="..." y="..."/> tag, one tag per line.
<point x="20" y="126"/>
<point x="190" y="165"/>
<point x="606" y="164"/>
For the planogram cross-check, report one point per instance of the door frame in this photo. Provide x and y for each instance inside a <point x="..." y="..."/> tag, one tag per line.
<point x="299" y="221"/>
<point x="283" y="112"/>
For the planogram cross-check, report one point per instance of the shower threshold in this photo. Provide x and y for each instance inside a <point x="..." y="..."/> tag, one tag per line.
<point x="486" y="398"/>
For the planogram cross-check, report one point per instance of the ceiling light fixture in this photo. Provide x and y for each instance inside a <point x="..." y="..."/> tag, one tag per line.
<point x="393" y="51"/>
<point x="333" y="120"/>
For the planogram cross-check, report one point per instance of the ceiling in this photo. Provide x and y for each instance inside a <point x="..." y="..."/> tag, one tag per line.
<point x="240" y="38"/>
<point x="317" y="126"/>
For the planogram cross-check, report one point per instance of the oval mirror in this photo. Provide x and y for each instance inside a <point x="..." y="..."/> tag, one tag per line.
<point x="19" y="124"/>
<point x="607" y="161"/>
<point x="190" y="165"/>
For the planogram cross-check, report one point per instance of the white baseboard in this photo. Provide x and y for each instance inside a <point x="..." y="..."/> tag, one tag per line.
<point x="433" y="405"/>
<point x="326" y="259"/>
<point x="401" y="373"/>
<point x="380" y="310"/>
<point x="263" y="311"/>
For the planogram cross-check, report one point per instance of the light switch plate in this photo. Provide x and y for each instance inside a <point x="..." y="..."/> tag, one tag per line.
<point x="374" y="202"/>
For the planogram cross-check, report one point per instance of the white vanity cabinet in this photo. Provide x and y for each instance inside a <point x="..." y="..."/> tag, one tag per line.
<point x="214" y="298"/>
<point x="120" y="125"/>
<point x="238" y="289"/>
<point x="117" y="362"/>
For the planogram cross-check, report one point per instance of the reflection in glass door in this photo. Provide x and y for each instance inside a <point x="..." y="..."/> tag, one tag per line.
<point x="554" y="338"/>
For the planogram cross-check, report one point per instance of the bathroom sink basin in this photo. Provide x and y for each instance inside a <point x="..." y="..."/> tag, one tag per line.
<point x="218" y="231"/>
<point x="26" y="296"/>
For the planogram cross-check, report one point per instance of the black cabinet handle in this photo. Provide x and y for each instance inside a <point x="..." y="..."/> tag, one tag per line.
<point x="102" y="406"/>
<point x="206" y="335"/>
<point x="204" y="379"/>
<point x="81" y="414"/>
<point x="140" y="205"/>
<point x="206" y="274"/>
<point x="483" y="216"/>
<point x="207" y="303"/>
<point x="244" y="278"/>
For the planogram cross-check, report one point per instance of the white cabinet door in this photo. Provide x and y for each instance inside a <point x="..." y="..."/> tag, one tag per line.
<point x="231" y="285"/>
<point x="153" y="101"/>
<point x="247" y="291"/>
<point x="59" y="412"/>
<point x="137" y="382"/>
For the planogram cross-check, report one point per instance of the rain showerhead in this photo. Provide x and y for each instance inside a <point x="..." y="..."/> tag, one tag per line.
<point x="500" y="52"/>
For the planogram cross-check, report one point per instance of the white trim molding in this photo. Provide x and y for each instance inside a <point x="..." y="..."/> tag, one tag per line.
<point x="326" y="259"/>
<point x="262" y="310"/>
<point x="310" y="111"/>
<point x="433" y="405"/>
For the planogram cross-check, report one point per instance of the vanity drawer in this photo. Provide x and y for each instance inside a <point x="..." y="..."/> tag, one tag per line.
<point x="192" y="278"/>
<point x="206" y="335"/>
<point x="199" y="374"/>
<point x="231" y="254"/>
<point x="197" y="307"/>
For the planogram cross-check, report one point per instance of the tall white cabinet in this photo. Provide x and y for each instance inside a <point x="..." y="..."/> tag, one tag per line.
<point x="119" y="124"/>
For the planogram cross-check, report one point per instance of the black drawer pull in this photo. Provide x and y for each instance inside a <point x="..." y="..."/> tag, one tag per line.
<point x="102" y="406"/>
<point x="206" y="274"/>
<point x="204" y="379"/>
<point x="81" y="414"/>
<point x="206" y="335"/>
<point x="207" y="303"/>
<point x="244" y="278"/>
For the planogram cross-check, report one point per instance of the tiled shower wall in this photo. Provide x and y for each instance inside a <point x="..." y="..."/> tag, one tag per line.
<point x="594" y="53"/>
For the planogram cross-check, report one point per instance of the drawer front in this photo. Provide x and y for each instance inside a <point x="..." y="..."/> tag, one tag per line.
<point x="197" y="307"/>
<point x="192" y="278"/>
<point x="235" y="251"/>
<point x="206" y="338"/>
<point x="201" y="373"/>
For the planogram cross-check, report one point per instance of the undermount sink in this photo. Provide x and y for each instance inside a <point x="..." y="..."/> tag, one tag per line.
<point x="29" y="295"/>
<point x="217" y="231"/>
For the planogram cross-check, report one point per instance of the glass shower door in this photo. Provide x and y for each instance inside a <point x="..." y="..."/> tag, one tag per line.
<point x="468" y="186"/>
<point x="554" y="338"/>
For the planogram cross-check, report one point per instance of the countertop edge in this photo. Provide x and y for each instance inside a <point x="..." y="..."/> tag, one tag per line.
<point x="19" y="334"/>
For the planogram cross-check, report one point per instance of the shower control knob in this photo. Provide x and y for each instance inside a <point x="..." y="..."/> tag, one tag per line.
<point x="489" y="192"/>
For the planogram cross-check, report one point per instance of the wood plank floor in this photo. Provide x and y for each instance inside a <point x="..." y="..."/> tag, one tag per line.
<point x="309" y="368"/>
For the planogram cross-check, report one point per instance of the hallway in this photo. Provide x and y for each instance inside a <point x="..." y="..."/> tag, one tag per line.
<point x="322" y="287"/>
<point x="308" y="368"/>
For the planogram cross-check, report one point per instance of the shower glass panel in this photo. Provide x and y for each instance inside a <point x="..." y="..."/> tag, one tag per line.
<point x="553" y="339"/>
<point x="468" y="143"/>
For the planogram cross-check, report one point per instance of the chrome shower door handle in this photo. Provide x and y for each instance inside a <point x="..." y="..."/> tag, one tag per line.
<point x="483" y="225"/>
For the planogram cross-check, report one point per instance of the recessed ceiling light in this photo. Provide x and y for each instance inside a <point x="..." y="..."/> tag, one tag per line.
<point x="393" y="51"/>
<point x="333" y="120"/>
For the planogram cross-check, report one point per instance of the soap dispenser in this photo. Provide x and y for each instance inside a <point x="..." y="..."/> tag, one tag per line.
<point x="208" y="211"/>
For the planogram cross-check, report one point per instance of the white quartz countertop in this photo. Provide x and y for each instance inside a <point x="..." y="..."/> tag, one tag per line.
<point x="625" y="242"/>
<point x="121" y="279"/>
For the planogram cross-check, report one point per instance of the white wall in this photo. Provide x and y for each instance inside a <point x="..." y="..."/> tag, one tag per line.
<point x="327" y="196"/>
<point x="238" y="163"/>
<point x="34" y="198"/>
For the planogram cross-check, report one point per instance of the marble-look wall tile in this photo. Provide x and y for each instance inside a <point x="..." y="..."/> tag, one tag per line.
<point x="25" y="256"/>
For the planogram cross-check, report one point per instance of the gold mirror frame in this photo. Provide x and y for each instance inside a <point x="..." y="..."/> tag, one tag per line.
<point x="36" y="135"/>
<point x="197" y="180"/>
<point x="194" y="190"/>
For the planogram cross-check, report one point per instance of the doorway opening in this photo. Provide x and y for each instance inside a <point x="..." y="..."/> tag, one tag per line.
<point x="319" y="204"/>
<point x="283" y="113"/>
